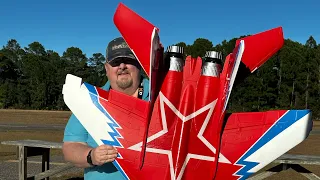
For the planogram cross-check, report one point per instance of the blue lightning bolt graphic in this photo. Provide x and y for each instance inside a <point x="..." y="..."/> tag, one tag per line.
<point x="283" y="123"/>
<point x="113" y="125"/>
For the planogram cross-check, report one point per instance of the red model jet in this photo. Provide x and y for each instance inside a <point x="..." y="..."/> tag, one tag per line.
<point x="183" y="131"/>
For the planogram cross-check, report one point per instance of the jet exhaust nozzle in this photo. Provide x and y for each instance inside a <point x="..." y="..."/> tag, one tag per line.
<point x="175" y="58"/>
<point x="212" y="64"/>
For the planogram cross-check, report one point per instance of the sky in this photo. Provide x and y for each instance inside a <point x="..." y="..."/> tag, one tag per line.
<point x="59" y="24"/>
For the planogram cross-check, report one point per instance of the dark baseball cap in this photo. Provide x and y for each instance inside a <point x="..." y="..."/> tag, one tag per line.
<point x="119" y="51"/>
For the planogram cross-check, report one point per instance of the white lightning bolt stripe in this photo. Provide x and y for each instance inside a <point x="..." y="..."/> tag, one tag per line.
<point x="96" y="122"/>
<point x="79" y="108"/>
<point x="103" y="118"/>
<point x="86" y="111"/>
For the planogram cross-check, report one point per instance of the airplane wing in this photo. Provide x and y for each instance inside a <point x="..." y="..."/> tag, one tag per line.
<point x="253" y="140"/>
<point x="116" y="119"/>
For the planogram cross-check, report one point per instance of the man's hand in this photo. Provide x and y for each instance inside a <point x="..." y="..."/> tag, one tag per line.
<point x="103" y="154"/>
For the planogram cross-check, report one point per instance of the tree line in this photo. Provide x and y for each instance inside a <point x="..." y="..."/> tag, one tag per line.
<point x="32" y="77"/>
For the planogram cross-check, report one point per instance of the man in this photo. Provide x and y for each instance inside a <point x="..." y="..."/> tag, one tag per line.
<point x="125" y="75"/>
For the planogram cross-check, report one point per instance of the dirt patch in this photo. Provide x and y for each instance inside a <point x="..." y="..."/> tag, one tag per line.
<point x="316" y="125"/>
<point x="33" y="116"/>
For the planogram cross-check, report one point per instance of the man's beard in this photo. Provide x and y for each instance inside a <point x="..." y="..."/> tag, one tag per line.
<point x="124" y="83"/>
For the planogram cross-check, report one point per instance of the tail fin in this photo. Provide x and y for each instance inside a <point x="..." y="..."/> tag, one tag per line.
<point x="260" y="47"/>
<point x="143" y="39"/>
<point x="139" y="35"/>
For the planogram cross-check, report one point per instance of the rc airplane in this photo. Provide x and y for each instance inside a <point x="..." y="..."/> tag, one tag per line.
<point x="183" y="130"/>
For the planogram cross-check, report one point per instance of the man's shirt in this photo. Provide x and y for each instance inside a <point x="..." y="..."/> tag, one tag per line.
<point x="75" y="132"/>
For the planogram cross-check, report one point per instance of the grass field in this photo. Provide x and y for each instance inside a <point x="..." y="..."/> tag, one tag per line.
<point x="311" y="146"/>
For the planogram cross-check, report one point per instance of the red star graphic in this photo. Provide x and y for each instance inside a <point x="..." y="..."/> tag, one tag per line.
<point x="178" y="142"/>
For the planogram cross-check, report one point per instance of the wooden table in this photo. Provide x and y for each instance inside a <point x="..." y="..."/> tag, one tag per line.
<point x="28" y="148"/>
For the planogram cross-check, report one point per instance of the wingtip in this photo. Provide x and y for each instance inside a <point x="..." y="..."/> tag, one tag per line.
<point x="71" y="81"/>
<point x="118" y="10"/>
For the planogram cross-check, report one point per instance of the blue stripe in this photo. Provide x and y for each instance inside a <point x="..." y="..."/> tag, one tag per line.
<point x="91" y="88"/>
<point x="112" y="125"/>
<point x="116" y="164"/>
